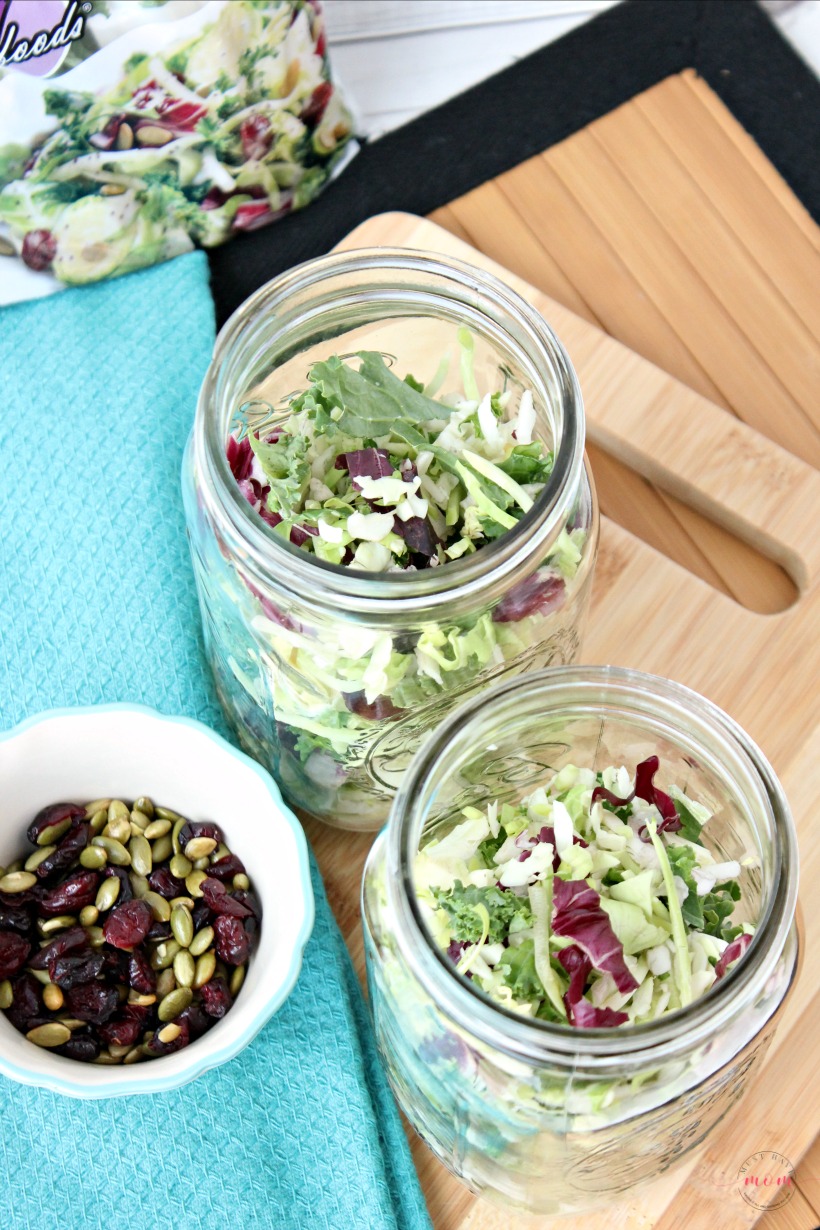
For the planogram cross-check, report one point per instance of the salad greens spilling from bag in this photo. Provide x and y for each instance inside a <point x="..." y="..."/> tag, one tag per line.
<point x="592" y="903"/>
<point x="222" y="131"/>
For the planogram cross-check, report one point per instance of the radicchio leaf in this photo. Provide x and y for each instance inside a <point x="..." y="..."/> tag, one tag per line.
<point x="578" y="965"/>
<point x="578" y="914"/>
<point x="375" y="710"/>
<point x="586" y="1016"/>
<point x="733" y="952"/>
<point x="419" y="535"/>
<point x="365" y="463"/>
<point x="240" y="457"/>
<point x="548" y="834"/>
<point x="534" y="593"/>
<point x="646" y="789"/>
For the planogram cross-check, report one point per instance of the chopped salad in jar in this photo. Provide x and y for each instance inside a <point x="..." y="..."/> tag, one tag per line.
<point x="593" y="902"/>
<point x="368" y="470"/>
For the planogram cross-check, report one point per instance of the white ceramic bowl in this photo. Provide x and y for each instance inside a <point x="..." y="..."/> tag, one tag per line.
<point x="124" y="751"/>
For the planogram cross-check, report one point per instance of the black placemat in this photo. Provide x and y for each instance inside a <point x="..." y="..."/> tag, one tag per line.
<point x="542" y="99"/>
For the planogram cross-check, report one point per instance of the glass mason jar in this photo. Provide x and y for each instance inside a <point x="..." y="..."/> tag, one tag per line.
<point x="547" y="1117"/>
<point x="331" y="675"/>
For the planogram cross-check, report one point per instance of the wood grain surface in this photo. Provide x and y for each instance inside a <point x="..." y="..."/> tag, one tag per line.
<point x="680" y="272"/>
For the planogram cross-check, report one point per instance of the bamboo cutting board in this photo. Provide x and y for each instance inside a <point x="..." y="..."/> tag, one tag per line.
<point x="668" y="244"/>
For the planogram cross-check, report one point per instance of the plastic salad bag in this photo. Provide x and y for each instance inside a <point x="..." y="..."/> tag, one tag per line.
<point x="133" y="130"/>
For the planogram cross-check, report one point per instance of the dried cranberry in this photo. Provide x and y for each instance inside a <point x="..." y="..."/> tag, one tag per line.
<point x="115" y="964"/>
<point x="123" y="1030"/>
<point x="226" y="868"/>
<point x="216" y="897"/>
<point x="74" y="970"/>
<point x="126" y="893"/>
<point x="161" y="881"/>
<point x="216" y="998"/>
<point x="49" y="818"/>
<point x="39" y="249"/>
<point x="160" y="931"/>
<point x="77" y="891"/>
<point x="156" y="1047"/>
<point x="374" y="711"/>
<point x="202" y="915"/>
<point x="67" y="852"/>
<point x="251" y="926"/>
<point x="26" y="1003"/>
<point x="231" y="942"/>
<point x="14" y="950"/>
<point x="249" y="898"/>
<point x="140" y="975"/>
<point x="317" y="103"/>
<point x="84" y="1047"/>
<point x="70" y="940"/>
<point x="198" y="1020"/>
<point x="14" y="900"/>
<point x="93" y="1002"/>
<point x="128" y="924"/>
<point x="15" y="919"/>
<point x="199" y="828"/>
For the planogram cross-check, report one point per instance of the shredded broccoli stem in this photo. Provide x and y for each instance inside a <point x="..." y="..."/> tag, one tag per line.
<point x="465" y="341"/>
<point x="540" y="895"/>
<point x="675" y="915"/>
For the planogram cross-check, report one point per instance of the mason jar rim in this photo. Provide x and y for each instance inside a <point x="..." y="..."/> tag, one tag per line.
<point x="524" y="1037"/>
<point x="403" y="592"/>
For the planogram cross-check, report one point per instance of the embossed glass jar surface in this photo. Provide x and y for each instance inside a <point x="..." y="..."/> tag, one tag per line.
<point x="292" y="640"/>
<point x="542" y="1116"/>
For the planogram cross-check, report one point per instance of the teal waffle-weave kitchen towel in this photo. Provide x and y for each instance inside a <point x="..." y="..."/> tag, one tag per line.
<point x="97" y="603"/>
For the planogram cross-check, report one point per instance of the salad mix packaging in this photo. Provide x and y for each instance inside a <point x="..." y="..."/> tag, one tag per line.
<point x="134" y="130"/>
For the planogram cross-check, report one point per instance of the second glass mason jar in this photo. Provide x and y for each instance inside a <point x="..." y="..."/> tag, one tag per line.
<point x="543" y="1116"/>
<point x="331" y="675"/>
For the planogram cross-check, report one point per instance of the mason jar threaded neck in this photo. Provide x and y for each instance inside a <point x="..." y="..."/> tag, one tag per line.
<point x="326" y="298"/>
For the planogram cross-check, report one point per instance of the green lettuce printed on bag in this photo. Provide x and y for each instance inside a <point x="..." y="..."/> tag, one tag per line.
<point x="134" y="130"/>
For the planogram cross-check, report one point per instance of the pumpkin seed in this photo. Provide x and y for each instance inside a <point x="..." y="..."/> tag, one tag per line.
<point x="164" y="954"/>
<point x="50" y="1034"/>
<point x="180" y="866"/>
<point x="95" y="936"/>
<point x="97" y="805"/>
<point x="119" y="1050"/>
<point x="157" y="828"/>
<point x="49" y="925"/>
<point x="202" y="864"/>
<point x="182" y="925"/>
<point x="139" y="886"/>
<point x="134" y="997"/>
<point x="151" y="135"/>
<point x="199" y="847"/>
<point x="6" y="994"/>
<point x="18" y="881"/>
<point x="98" y="821"/>
<point x="178" y="824"/>
<point x="88" y="915"/>
<point x="165" y="813"/>
<point x="159" y="906"/>
<point x="42" y="975"/>
<point x="93" y="858"/>
<point x="186" y="901"/>
<point x="242" y="882"/>
<point x="169" y="1032"/>
<point x="107" y="893"/>
<point x="116" y="851"/>
<point x="53" y="997"/>
<point x="140" y="856"/>
<point x="17" y="865"/>
<point x="135" y="1055"/>
<point x="175" y="1003"/>
<point x="2" y="872"/>
<point x="117" y="810"/>
<point x="201" y="941"/>
<point x="119" y="829"/>
<point x="162" y="849"/>
<point x="237" y="979"/>
<point x="139" y="819"/>
<point x="6" y="248"/>
<point x="165" y="984"/>
<point x="52" y="834"/>
<point x="193" y="882"/>
<point x="72" y="1022"/>
<point x="205" y="966"/>
<point x="221" y="851"/>
<point x="105" y="1059"/>
<point x="145" y="805"/>
<point x="184" y="968"/>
